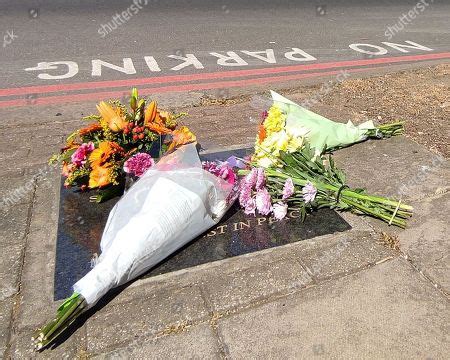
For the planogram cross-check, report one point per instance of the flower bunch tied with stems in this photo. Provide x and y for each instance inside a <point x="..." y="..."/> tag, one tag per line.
<point x="286" y="124"/>
<point x="176" y="200"/>
<point x="121" y="140"/>
<point x="304" y="181"/>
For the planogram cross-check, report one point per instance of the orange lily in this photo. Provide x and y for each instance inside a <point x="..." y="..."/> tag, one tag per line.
<point x="100" y="176"/>
<point x="159" y="129"/>
<point x="101" y="154"/>
<point x="153" y="119"/>
<point x="181" y="136"/>
<point x="166" y="118"/>
<point x="112" y="116"/>
<point x="89" y="129"/>
<point x="150" y="113"/>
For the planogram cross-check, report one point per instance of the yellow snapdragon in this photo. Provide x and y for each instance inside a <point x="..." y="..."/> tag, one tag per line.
<point x="276" y="139"/>
<point x="275" y="120"/>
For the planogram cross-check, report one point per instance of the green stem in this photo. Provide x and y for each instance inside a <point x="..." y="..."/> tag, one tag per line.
<point x="348" y="195"/>
<point x="367" y="211"/>
<point x="67" y="313"/>
<point x="64" y="326"/>
<point x="334" y="188"/>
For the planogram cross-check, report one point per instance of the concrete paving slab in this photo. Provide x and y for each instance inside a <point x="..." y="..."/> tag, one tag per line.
<point x="235" y="286"/>
<point x="37" y="305"/>
<point x="13" y="224"/>
<point x="5" y="320"/>
<point x="13" y="154"/>
<point x="72" y="348"/>
<point x="153" y="305"/>
<point x="427" y="239"/>
<point x="197" y="342"/>
<point x="155" y="311"/>
<point x="10" y="263"/>
<point x="395" y="167"/>
<point x="38" y="268"/>
<point x="44" y="220"/>
<point x="388" y="311"/>
<point x="15" y="191"/>
<point x="341" y="254"/>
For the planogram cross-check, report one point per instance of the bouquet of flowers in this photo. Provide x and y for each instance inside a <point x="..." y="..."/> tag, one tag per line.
<point x="305" y="181"/>
<point x="286" y="124"/>
<point x="119" y="141"/>
<point x="176" y="200"/>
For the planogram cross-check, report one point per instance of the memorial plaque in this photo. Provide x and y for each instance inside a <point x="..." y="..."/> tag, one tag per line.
<point x="81" y="223"/>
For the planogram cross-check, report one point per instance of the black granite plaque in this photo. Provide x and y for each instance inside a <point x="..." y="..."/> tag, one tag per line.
<point x="81" y="223"/>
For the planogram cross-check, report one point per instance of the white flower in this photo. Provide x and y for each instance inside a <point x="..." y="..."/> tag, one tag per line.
<point x="280" y="211"/>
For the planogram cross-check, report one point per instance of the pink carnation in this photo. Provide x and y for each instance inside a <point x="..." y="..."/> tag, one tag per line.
<point x="263" y="202"/>
<point x="309" y="192"/>
<point x="245" y="194"/>
<point x="210" y="166"/>
<point x="138" y="164"/>
<point x="250" y="178"/>
<point x="80" y="155"/>
<point x="226" y="172"/>
<point x="250" y="207"/>
<point x="223" y="170"/>
<point x="260" y="179"/>
<point x="288" y="189"/>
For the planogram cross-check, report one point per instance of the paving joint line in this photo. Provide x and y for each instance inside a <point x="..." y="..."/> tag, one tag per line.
<point x="214" y="316"/>
<point x="415" y="266"/>
<point x="291" y="290"/>
<point x="424" y="275"/>
<point x="18" y="295"/>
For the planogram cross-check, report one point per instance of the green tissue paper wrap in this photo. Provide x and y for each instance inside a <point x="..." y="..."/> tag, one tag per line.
<point x="318" y="130"/>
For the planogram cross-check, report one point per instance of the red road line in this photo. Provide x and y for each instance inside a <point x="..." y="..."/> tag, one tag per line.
<point x="53" y="100"/>
<point x="215" y="75"/>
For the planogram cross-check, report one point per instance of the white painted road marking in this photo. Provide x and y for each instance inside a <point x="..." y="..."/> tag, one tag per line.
<point x="69" y="69"/>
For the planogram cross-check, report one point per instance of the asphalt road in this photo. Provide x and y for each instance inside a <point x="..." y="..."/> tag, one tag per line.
<point x="154" y="37"/>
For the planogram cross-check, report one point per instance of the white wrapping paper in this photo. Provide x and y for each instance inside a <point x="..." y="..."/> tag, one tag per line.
<point x="170" y="205"/>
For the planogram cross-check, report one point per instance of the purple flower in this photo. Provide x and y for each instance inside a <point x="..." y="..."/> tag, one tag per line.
<point x="250" y="207"/>
<point x="233" y="161"/>
<point x="138" y="164"/>
<point x="263" y="202"/>
<point x="80" y="155"/>
<point x="280" y="210"/>
<point x="260" y="179"/>
<point x="288" y="189"/>
<point x="309" y="192"/>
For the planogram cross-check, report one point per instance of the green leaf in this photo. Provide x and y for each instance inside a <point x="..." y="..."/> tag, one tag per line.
<point x="303" y="213"/>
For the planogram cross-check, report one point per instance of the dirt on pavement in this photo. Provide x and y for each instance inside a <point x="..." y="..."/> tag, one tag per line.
<point x="420" y="97"/>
